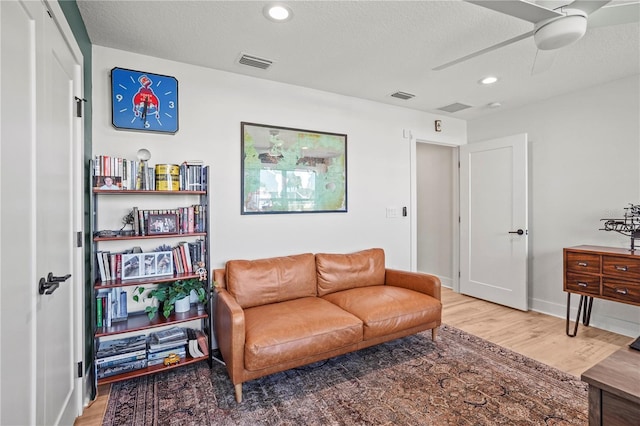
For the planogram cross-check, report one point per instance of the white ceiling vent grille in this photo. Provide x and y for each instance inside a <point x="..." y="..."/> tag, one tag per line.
<point x="254" y="61"/>
<point x="454" y="107"/>
<point x="402" y="95"/>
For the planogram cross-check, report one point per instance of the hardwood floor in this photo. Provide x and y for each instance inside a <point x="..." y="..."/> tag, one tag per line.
<point x="532" y="334"/>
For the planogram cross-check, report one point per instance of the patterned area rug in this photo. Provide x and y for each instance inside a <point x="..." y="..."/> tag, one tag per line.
<point x="458" y="380"/>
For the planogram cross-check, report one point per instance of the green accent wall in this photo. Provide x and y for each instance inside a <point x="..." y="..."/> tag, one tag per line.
<point x="72" y="14"/>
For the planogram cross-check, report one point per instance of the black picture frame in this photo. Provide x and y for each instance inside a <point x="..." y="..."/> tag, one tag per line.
<point x="163" y="224"/>
<point x="289" y="170"/>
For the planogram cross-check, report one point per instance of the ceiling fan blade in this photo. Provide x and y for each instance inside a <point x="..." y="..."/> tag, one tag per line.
<point x="587" y="6"/>
<point x="543" y="61"/>
<point x="483" y="51"/>
<point x="615" y="14"/>
<point x="520" y="9"/>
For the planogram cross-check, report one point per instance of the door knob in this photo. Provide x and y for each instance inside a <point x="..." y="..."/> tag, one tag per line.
<point x="51" y="278"/>
<point x="519" y="232"/>
<point x="51" y="284"/>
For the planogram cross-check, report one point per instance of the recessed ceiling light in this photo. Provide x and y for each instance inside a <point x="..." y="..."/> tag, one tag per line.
<point x="494" y="105"/>
<point x="278" y="12"/>
<point x="488" y="80"/>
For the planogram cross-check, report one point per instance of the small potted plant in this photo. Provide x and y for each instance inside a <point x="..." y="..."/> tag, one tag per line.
<point x="173" y="296"/>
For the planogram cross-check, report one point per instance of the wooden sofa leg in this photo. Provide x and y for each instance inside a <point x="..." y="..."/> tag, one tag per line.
<point x="434" y="333"/>
<point x="238" y="392"/>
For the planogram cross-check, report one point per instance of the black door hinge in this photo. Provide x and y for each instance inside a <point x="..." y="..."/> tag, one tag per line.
<point x="79" y="106"/>
<point x="80" y="371"/>
<point x="79" y="238"/>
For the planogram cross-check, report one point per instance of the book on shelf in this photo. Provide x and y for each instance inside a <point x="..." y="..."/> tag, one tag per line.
<point x="102" y="373"/>
<point x="167" y="335"/>
<point x="121" y="345"/>
<point x="121" y="358"/>
<point x="139" y="175"/>
<point x="113" y="306"/>
<point x="203" y="342"/>
<point x="179" y="350"/>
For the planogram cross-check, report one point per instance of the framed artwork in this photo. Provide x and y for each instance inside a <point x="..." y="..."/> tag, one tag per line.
<point x="144" y="101"/>
<point x="165" y="223"/>
<point x="145" y="265"/>
<point x="287" y="170"/>
<point x="107" y="182"/>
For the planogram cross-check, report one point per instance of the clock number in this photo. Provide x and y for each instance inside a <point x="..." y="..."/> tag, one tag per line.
<point x="119" y="97"/>
<point x="172" y="105"/>
<point x="146" y="125"/>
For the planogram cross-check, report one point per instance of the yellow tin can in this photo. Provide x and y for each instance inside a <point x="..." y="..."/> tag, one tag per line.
<point x="167" y="177"/>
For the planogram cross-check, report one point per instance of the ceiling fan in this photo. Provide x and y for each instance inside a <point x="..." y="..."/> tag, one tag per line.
<point x="554" y="28"/>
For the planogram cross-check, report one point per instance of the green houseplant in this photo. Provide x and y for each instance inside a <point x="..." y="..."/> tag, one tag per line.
<point x="168" y="293"/>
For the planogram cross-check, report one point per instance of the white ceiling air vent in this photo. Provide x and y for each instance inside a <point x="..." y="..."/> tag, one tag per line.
<point x="402" y="95"/>
<point x="454" y="107"/>
<point x="254" y="61"/>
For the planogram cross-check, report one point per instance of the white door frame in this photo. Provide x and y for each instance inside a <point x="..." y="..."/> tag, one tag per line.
<point x="456" y="209"/>
<point x="82" y="388"/>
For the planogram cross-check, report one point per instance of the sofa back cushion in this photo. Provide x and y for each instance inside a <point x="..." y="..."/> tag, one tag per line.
<point x="276" y="279"/>
<point x="338" y="272"/>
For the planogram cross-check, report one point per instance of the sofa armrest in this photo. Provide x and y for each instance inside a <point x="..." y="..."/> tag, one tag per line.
<point x="230" y="333"/>
<point x="418" y="281"/>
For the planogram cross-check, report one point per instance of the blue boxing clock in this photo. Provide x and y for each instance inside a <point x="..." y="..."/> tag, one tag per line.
<point x="144" y="101"/>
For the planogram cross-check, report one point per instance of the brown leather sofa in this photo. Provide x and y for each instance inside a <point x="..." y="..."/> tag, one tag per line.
<point x="283" y="312"/>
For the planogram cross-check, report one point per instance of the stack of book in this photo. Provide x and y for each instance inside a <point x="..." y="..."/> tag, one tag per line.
<point x="162" y="343"/>
<point x="121" y="355"/>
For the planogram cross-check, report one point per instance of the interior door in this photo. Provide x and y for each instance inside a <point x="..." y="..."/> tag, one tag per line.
<point x="493" y="220"/>
<point x="56" y="377"/>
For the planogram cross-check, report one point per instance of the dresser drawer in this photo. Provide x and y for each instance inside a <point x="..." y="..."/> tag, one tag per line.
<point x="622" y="267"/>
<point x="582" y="262"/>
<point x="582" y="283"/>
<point x="621" y="290"/>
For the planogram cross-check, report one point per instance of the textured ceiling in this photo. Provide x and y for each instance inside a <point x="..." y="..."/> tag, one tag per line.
<point x="369" y="49"/>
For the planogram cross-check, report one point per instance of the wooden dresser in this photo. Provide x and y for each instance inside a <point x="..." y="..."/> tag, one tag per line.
<point x="603" y="273"/>
<point x="614" y="389"/>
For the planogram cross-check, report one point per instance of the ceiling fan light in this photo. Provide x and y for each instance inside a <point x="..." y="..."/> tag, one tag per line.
<point x="560" y="32"/>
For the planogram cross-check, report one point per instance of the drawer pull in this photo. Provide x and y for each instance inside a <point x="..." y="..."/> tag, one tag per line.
<point x="621" y="268"/>
<point x="622" y="291"/>
<point x="581" y="284"/>
<point x="583" y="264"/>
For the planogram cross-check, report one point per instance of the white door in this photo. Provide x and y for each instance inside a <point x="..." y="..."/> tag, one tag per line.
<point x="493" y="220"/>
<point x="56" y="376"/>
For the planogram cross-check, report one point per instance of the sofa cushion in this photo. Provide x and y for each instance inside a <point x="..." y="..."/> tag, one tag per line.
<point x="263" y="281"/>
<point x="295" y="329"/>
<point x="338" y="272"/>
<point x="387" y="309"/>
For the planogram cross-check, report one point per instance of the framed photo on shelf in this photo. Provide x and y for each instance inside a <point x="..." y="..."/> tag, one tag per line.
<point x="147" y="265"/>
<point x="107" y="182"/>
<point x="164" y="223"/>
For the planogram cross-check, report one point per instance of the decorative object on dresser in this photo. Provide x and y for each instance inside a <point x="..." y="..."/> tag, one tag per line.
<point x="614" y="389"/>
<point x="600" y="272"/>
<point x="165" y="272"/>
<point x="629" y="225"/>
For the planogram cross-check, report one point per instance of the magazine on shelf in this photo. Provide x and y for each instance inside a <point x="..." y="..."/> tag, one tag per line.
<point x="121" y="359"/>
<point x="121" y="368"/>
<point x="170" y="334"/>
<point x="120" y="346"/>
<point x="158" y="347"/>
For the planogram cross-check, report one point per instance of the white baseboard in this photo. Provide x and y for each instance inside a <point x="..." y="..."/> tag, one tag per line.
<point x="604" y="322"/>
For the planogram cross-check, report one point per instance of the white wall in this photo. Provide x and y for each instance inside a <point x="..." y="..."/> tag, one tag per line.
<point x="583" y="160"/>
<point x="212" y="105"/>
